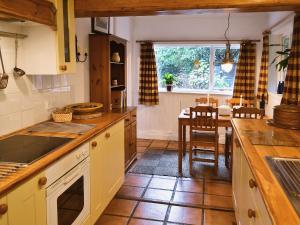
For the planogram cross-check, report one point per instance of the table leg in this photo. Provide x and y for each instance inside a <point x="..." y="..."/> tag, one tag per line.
<point x="179" y="148"/>
<point x="184" y="140"/>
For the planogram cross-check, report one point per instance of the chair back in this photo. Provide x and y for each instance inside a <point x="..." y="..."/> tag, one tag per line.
<point x="203" y="118"/>
<point x="248" y="113"/>
<point x="212" y="101"/>
<point x="236" y="101"/>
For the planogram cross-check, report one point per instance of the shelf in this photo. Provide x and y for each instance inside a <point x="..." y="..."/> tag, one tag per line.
<point x="117" y="63"/>
<point x="118" y="86"/>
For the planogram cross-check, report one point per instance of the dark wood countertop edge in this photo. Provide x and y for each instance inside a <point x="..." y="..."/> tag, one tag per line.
<point x="47" y="160"/>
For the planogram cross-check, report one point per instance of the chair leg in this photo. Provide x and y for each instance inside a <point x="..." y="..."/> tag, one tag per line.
<point x="216" y="157"/>
<point x="226" y="151"/>
<point x="191" y="159"/>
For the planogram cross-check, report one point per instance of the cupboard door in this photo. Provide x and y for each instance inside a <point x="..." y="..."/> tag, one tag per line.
<point x="127" y="145"/>
<point x="66" y="36"/>
<point x="27" y="203"/>
<point x="133" y="140"/>
<point x="3" y="213"/>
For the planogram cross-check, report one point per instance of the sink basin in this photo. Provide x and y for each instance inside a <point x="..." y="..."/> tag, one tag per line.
<point x="287" y="171"/>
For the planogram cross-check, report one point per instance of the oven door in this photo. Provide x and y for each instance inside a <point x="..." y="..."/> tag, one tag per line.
<point x="68" y="198"/>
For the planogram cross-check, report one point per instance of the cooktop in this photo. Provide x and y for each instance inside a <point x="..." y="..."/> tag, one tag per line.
<point x="27" y="149"/>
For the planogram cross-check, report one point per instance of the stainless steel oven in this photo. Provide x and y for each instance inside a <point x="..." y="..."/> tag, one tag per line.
<point x="68" y="195"/>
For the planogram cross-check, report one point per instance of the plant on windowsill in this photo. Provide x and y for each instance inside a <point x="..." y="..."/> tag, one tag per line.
<point x="169" y="79"/>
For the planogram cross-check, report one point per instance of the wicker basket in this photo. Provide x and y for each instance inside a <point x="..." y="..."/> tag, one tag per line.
<point x="287" y="116"/>
<point x="62" y="116"/>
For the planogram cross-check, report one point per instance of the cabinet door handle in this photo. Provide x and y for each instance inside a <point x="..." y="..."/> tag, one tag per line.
<point x="3" y="208"/>
<point x="42" y="181"/>
<point x="107" y="135"/>
<point x="94" y="144"/>
<point x="252" y="183"/>
<point x="127" y="120"/>
<point x="133" y="115"/>
<point x="63" y="67"/>
<point x="251" y="213"/>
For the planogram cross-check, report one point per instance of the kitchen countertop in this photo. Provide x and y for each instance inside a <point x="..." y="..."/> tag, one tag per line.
<point x="102" y="123"/>
<point x="280" y="209"/>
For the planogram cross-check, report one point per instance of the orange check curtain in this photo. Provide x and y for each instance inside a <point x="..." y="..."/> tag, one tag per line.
<point x="264" y="69"/>
<point x="244" y="83"/>
<point x="291" y="92"/>
<point x="148" y="85"/>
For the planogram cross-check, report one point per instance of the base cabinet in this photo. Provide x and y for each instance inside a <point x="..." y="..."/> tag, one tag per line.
<point x="248" y="203"/>
<point x="107" y="168"/>
<point x="130" y="139"/>
<point x="26" y="204"/>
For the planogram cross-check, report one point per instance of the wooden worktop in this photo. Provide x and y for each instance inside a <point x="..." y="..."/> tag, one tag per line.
<point x="280" y="209"/>
<point x="102" y="123"/>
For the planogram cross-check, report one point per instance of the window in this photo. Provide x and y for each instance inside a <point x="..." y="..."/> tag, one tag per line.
<point x="195" y="67"/>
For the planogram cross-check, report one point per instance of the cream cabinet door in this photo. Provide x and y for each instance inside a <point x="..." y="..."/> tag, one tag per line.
<point x="107" y="167"/>
<point x="27" y="203"/>
<point x="3" y="213"/>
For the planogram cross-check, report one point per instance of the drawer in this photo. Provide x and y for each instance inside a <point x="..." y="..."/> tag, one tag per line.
<point x="133" y="116"/>
<point x="127" y="119"/>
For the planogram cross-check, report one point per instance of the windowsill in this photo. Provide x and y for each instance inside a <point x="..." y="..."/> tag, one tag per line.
<point x="188" y="91"/>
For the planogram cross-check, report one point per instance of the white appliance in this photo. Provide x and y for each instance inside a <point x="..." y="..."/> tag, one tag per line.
<point x="68" y="188"/>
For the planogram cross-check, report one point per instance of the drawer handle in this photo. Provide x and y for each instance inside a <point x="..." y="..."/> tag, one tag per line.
<point x="133" y="115"/>
<point x="107" y="135"/>
<point x="127" y="120"/>
<point x="94" y="144"/>
<point x="3" y="209"/>
<point x="252" y="183"/>
<point x="63" y="67"/>
<point x="251" y="213"/>
<point x="42" y="181"/>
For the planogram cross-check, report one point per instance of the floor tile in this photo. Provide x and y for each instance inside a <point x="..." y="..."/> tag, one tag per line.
<point x="143" y="143"/>
<point x="218" y="188"/>
<point x="133" y="192"/>
<point x="190" y="185"/>
<point x="120" y="207"/>
<point x="188" y="198"/>
<point x="185" y="215"/>
<point x="159" y="144"/>
<point x="218" y="201"/>
<point x="144" y="222"/>
<point x="162" y="183"/>
<point x="141" y="149"/>
<point x="139" y="155"/>
<point x="151" y="211"/>
<point x="214" y="217"/>
<point x="173" y="145"/>
<point x="137" y="180"/>
<point x="156" y="194"/>
<point x="112" y="220"/>
<point x="164" y="177"/>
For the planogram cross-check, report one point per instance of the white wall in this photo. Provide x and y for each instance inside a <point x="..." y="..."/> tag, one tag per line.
<point x="160" y="121"/>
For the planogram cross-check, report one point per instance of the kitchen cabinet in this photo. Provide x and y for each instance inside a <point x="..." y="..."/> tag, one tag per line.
<point x="3" y="211"/>
<point x="26" y="204"/>
<point x="248" y="202"/>
<point x="49" y="52"/>
<point x="107" y="167"/>
<point x="130" y="139"/>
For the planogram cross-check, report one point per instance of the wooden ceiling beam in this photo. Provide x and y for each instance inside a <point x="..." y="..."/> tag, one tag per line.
<point x="92" y="8"/>
<point x="40" y="11"/>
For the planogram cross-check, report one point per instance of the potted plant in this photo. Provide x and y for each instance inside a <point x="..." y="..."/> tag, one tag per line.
<point x="169" y="79"/>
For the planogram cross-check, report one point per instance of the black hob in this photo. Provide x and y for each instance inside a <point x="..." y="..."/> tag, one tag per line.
<point x="26" y="149"/>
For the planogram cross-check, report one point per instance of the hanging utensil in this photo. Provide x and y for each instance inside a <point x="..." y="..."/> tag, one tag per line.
<point x="17" y="71"/>
<point x="4" y="76"/>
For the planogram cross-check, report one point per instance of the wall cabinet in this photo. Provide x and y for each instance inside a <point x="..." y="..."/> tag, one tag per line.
<point x="107" y="167"/>
<point x="130" y="139"/>
<point x="49" y="52"/>
<point x="247" y="200"/>
<point x="26" y="204"/>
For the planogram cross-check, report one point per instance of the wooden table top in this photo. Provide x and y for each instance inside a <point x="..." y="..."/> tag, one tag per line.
<point x="280" y="209"/>
<point x="102" y="123"/>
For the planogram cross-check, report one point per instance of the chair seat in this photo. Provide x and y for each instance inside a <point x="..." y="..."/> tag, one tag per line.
<point x="204" y="136"/>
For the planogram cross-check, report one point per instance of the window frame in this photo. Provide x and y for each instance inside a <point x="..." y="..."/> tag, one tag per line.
<point x="212" y="47"/>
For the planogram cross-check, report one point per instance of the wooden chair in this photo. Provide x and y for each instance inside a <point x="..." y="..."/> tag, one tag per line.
<point x="204" y="133"/>
<point x="236" y="101"/>
<point x="212" y="101"/>
<point x="242" y="113"/>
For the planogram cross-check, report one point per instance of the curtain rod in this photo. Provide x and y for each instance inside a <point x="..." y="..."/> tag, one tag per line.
<point x="12" y="35"/>
<point x="192" y="41"/>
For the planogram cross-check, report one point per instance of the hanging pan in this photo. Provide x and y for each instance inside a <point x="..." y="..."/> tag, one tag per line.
<point x="3" y="76"/>
<point x="17" y="71"/>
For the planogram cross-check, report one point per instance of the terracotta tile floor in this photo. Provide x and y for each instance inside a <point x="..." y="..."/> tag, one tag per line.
<point x="161" y="200"/>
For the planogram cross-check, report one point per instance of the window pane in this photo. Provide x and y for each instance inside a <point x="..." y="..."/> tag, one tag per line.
<point x="223" y="80"/>
<point x="180" y="61"/>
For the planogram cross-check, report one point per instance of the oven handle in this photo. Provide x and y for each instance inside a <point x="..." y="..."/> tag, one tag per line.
<point x="72" y="178"/>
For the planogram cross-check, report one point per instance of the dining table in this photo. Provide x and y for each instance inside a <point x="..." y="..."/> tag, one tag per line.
<point x="183" y="122"/>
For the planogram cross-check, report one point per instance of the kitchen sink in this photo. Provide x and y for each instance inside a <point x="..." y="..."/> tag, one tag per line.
<point x="287" y="171"/>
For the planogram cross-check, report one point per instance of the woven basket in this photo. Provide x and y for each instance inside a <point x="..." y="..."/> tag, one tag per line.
<point x="62" y="117"/>
<point x="287" y="116"/>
